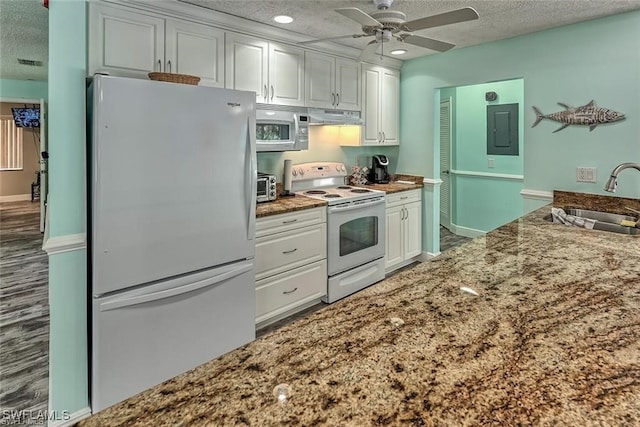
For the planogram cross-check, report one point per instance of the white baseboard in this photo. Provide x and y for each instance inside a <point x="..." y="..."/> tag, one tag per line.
<point x="70" y="242"/>
<point x="547" y="196"/>
<point x="427" y="256"/>
<point x="72" y="418"/>
<point x="466" y="231"/>
<point x="16" y="198"/>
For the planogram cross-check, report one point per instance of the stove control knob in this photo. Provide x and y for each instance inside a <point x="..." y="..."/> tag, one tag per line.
<point x="301" y="172"/>
<point x="337" y="168"/>
<point x="342" y="168"/>
<point x="294" y="172"/>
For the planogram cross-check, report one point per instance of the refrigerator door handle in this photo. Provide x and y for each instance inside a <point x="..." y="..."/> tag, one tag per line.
<point x="180" y="290"/>
<point x="250" y="178"/>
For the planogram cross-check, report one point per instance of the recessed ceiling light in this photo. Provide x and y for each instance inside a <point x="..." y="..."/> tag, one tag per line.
<point x="283" y="19"/>
<point x="398" y="52"/>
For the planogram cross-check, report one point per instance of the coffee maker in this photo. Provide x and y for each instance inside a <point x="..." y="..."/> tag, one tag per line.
<point x="379" y="173"/>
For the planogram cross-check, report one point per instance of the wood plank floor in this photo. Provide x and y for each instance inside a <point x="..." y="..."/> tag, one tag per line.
<point x="24" y="311"/>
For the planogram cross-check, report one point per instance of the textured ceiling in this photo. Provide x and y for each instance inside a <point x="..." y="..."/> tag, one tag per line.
<point x="499" y="19"/>
<point x="24" y="34"/>
<point x="24" y="23"/>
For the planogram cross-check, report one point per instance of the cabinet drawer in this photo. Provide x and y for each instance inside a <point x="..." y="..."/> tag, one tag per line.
<point x="280" y="252"/>
<point x="283" y="292"/>
<point x="403" y="197"/>
<point x="283" y="222"/>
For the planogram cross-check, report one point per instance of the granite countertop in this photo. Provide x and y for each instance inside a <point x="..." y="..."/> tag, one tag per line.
<point x="553" y="338"/>
<point x="287" y="204"/>
<point x="395" y="187"/>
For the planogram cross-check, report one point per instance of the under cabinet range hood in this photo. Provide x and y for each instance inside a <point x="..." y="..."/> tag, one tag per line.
<point x="321" y="116"/>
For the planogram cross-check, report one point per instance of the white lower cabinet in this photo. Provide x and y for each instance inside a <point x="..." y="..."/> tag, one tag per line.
<point x="403" y="228"/>
<point x="291" y="263"/>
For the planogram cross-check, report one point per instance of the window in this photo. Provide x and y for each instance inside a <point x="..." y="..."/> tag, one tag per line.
<point x="11" y="157"/>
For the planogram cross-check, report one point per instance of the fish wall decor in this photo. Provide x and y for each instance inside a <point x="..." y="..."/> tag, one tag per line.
<point x="586" y="115"/>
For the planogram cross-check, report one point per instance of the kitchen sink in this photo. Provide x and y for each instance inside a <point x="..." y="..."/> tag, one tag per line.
<point x="605" y="221"/>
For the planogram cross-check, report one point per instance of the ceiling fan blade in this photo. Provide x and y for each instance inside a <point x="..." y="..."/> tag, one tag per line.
<point x="455" y="16"/>
<point x="359" y="16"/>
<point x="353" y="36"/>
<point x="368" y="51"/>
<point x="425" y="42"/>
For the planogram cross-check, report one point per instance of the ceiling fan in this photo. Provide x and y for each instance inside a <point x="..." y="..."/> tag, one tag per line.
<point x="385" y="25"/>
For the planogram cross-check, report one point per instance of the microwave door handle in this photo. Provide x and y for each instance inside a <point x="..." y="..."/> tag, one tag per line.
<point x="296" y="128"/>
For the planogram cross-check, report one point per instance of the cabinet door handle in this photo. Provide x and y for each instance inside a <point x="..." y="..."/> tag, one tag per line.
<point x="290" y="221"/>
<point x="333" y="99"/>
<point x="169" y="65"/>
<point x="384" y="136"/>
<point x="159" y="65"/>
<point x="290" y="252"/>
<point x="272" y="92"/>
<point x="265" y="93"/>
<point x="338" y="98"/>
<point x="407" y="213"/>
<point x="379" y="136"/>
<point x="290" y="292"/>
<point x="404" y="198"/>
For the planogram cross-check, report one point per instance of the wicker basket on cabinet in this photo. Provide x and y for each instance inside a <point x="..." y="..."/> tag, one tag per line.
<point x="174" y="78"/>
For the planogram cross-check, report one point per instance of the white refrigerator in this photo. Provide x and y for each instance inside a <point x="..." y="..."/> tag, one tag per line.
<point x="172" y="173"/>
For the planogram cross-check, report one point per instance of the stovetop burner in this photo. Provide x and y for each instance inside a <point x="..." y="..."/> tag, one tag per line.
<point x="360" y="190"/>
<point x="331" y="196"/>
<point x="315" y="192"/>
<point x="344" y="187"/>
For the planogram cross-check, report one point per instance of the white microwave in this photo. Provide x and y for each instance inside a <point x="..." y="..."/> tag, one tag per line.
<point x="281" y="128"/>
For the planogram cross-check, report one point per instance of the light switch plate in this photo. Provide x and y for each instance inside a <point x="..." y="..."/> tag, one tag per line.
<point x="585" y="174"/>
<point x="491" y="163"/>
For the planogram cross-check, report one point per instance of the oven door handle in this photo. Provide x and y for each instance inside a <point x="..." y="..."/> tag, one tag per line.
<point x="350" y="207"/>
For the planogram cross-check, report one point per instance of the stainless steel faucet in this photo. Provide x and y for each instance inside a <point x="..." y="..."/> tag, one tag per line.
<point x="611" y="184"/>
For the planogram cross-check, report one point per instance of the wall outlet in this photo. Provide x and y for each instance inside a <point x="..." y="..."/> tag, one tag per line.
<point x="585" y="174"/>
<point x="491" y="163"/>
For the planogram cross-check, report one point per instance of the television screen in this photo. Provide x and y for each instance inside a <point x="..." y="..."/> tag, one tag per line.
<point x="28" y="117"/>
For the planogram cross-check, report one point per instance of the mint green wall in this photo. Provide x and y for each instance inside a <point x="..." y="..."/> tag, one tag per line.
<point x="555" y="67"/>
<point x="471" y="127"/>
<point x="26" y="89"/>
<point x="483" y="203"/>
<point x="67" y="271"/>
<point x="598" y="59"/>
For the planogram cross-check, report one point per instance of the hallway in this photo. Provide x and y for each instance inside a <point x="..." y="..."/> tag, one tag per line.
<point x="24" y="311"/>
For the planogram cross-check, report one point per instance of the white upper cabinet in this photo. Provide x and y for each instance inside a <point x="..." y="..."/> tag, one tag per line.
<point x="124" y="43"/>
<point x="246" y="65"/>
<point x="132" y="44"/>
<point x="332" y="82"/>
<point x="381" y="96"/>
<point x="195" y="49"/>
<point x="274" y="72"/>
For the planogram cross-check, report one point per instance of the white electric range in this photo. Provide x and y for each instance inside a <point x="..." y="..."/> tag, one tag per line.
<point x="355" y="226"/>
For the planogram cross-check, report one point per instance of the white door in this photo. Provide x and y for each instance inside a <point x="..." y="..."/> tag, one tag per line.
<point x="371" y="134"/>
<point x="173" y="190"/>
<point x="445" y="163"/>
<point x="412" y="230"/>
<point x="389" y="110"/>
<point x="320" y="80"/>
<point x="195" y="49"/>
<point x="246" y="65"/>
<point x="150" y="334"/>
<point x="286" y="75"/>
<point x="394" y="244"/>
<point x="125" y="43"/>
<point x="348" y="84"/>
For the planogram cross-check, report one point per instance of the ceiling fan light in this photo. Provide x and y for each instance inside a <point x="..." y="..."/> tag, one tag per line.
<point x="398" y="52"/>
<point x="283" y="19"/>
